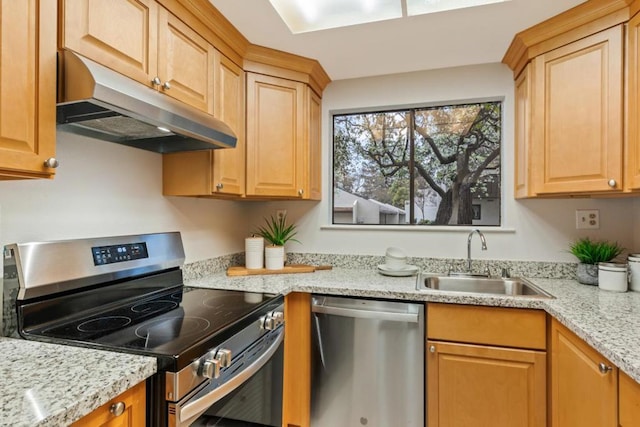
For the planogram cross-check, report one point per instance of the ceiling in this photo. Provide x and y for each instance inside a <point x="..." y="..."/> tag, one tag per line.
<point x="447" y="39"/>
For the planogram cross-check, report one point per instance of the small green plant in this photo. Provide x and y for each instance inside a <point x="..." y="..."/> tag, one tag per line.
<point x="593" y="252"/>
<point x="276" y="231"/>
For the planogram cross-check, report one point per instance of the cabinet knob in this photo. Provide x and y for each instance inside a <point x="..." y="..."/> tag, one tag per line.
<point x="156" y="81"/>
<point x="432" y="349"/>
<point x="300" y="192"/>
<point x="612" y="183"/>
<point x="219" y="186"/>
<point x="166" y="85"/>
<point x="51" y="162"/>
<point x="604" y="368"/>
<point x="118" y="408"/>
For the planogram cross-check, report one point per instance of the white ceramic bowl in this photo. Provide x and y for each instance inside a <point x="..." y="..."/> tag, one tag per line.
<point x="395" y="258"/>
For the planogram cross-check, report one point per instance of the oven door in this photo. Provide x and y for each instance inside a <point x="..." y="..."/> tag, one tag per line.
<point x="251" y="393"/>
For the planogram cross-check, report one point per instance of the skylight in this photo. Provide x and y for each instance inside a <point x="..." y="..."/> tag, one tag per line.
<point x="303" y="16"/>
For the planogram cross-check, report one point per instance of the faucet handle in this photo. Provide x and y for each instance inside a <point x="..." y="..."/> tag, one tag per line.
<point x="505" y="273"/>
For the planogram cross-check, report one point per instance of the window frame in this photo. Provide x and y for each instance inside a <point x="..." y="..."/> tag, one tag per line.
<point x="502" y="227"/>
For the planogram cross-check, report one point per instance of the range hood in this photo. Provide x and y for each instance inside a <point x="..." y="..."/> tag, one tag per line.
<point x="100" y="103"/>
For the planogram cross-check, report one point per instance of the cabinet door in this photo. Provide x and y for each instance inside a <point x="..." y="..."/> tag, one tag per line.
<point x="275" y="128"/>
<point x="577" y="139"/>
<point x="28" y="85"/>
<point x="313" y="157"/>
<point x="629" y="395"/>
<point x="470" y="385"/>
<point x="134" y="414"/>
<point x="185" y="63"/>
<point x="229" y="164"/>
<point x="120" y="34"/>
<point x="522" y="156"/>
<point x="632" y="155"/>
<point x="581" y="395"/>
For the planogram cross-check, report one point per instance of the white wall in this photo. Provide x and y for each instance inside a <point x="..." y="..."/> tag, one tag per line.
<point x="540" y="229"/>
<point x="104" y="189"/>
<point x="107" y="189"/>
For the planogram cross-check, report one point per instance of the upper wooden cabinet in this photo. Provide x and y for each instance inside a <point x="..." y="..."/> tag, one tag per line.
<point x="276" y="140"/>
<point x="584" y="385"/>
<point x="522" y="170"/>
<point x="28" y="88"/>
<point x="145" y="42"/>
<point x="576" y="114"/>
<point x="214" y="172"/>
<point x="632" y="153"/>
<point x="119" y="34"/>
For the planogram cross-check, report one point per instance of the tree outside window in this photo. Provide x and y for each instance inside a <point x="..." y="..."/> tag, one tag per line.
<point x="434" y="165"/>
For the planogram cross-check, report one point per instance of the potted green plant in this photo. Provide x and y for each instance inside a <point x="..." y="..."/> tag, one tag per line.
<point x="276" y="233"/>
<point x="590" y="253"/>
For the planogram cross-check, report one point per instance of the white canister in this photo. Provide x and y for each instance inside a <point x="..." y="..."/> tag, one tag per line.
<point x="274" y="257"/>
<point x="254" y="253"/>
<point x="612" y="277"/>
<point x="634" y="272"/>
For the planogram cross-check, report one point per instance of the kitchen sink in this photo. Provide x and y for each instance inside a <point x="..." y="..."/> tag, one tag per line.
<point x="513" y="286"/>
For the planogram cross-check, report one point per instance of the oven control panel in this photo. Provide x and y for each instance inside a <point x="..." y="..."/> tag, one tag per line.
<point x="103" y="255"/>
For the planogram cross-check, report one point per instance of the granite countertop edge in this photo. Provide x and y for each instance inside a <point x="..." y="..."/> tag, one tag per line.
<point x="81" y="381"/>
<point x="605" y="320"/>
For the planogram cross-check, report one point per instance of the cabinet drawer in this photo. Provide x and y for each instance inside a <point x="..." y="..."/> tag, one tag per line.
<point x="507" y="327"/>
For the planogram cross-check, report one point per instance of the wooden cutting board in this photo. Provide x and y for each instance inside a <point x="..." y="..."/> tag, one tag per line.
<point x="240" y="270"/>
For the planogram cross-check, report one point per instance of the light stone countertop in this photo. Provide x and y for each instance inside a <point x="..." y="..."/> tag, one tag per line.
<point x="608" y="321"/>
<point x="55" y="385"/>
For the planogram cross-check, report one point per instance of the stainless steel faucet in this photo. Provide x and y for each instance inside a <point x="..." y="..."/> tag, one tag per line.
<point x="484" y="246"/>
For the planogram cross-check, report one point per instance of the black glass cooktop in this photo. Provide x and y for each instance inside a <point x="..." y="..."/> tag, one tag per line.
<point x="175" y="326"/>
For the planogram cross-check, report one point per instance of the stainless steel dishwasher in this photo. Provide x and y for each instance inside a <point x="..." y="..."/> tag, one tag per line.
<point x="367" y="363"/>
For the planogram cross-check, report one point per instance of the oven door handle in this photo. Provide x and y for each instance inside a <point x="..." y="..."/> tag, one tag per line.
<point x="192" y="410"/>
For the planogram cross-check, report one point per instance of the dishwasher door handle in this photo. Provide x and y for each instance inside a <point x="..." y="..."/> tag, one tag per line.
<point x="365" y="314"/>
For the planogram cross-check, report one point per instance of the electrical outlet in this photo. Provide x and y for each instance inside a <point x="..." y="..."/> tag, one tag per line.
<point x="587" y="218"/>
<point x="281" y="213"/>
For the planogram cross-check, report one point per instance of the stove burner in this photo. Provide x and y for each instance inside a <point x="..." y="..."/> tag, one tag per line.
<point x="104" y="324"/>
<point x="171" y="327"/>
<point x="225" y="306"/>
<point x="153" y="306"/>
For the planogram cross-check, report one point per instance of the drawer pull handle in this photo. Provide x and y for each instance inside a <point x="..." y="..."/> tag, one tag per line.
<point x="118" y="408"/>
<point x="432" y="349"/>
<point x="604" y="368"/>
<point x="612" y="183"/>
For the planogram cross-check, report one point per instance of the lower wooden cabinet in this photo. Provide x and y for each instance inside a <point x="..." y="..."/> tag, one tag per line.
<point x="473" y="385"/>
<point x="296" y="384"/>
<point x="133" y="414"/>
<point x="486" y="366"/>
<point x="629" y="401"/>
<point x="584" y="385"/>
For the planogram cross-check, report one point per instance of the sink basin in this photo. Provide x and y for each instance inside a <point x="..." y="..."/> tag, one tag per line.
<point x="514" y="286"/>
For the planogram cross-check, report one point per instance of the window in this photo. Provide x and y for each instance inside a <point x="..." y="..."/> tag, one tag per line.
<point x="427" y="166"/>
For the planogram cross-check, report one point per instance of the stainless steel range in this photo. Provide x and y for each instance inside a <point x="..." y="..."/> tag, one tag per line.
<point x="219" y="352"/>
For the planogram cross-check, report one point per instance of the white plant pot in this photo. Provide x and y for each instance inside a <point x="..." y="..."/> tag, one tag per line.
<point x="274" y="257"/>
